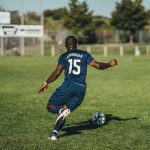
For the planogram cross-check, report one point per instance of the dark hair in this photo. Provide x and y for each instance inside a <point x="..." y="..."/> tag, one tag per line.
<point x="71" y="42"/>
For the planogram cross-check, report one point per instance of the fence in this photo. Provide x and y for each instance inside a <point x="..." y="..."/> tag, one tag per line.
<point x="109" y="49"/>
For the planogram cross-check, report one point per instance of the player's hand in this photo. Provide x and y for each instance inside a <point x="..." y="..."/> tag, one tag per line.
<point x="43" y="88"/>
<point x="113" y="62"/>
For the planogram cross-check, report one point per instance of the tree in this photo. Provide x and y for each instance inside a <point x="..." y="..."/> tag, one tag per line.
<point x="130" y="16"/>
<point x="79" y="20"/>
<point x="15" y="17"/>
<point x="55" y="14"/>
<point x="148" y="12"/>
<point x="31" y="17"/>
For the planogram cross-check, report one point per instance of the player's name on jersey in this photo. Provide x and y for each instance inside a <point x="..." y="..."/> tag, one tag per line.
<point x="75" y="54"/>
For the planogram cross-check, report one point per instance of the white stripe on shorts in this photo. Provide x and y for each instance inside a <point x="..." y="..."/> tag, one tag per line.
<point x="80" y="84"/>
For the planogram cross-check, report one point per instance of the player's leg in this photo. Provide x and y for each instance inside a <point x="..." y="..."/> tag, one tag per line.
<point x="56" y="100"/>
<point x="75" y="102"/>
<point x="63" y="113"/>
<point x="78" y="97"/>
<point x="54" y="134"/>
<point x="72" y="103"/>
<point x="56" y="105"/>
<point x="72" y="97"/>
<point x="55" y="108"/>
<point x="60" y="121"/>
<point x="75" y="97"/>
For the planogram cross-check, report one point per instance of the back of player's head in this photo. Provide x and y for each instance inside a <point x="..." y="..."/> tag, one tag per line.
<point x="71" y="42"/>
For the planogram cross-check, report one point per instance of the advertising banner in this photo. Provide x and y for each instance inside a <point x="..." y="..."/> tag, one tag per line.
<point x="21" y="30"/>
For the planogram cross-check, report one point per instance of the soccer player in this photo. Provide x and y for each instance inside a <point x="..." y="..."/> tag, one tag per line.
<point x="70" y="94"/>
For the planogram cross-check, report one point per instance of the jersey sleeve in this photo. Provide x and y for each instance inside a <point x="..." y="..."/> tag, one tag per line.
<point x="61" y="60"/>
<point x="89" y="58"/>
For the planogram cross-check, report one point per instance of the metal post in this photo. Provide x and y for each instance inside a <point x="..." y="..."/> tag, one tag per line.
<point x="53" y="50"/>
<point x="2" y="46"/>
<point x="89" y="49"/>
<point x="105" y="36"/>
<point x="105" y="48"/>
<point x="121" y="50"/>
<point x="140" y="36"/>
<point x="137" y="51"/>
<point x="22" y="23"/>
<point x="147" y="50"/>
<point x="116" y="36"/>
<point x="42" y="23"/>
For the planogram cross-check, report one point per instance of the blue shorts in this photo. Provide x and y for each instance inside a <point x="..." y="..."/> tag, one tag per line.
<point x="69" y="94"/>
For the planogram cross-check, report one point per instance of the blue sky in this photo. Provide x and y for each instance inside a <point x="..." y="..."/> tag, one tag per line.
<point x="100" y="7"/>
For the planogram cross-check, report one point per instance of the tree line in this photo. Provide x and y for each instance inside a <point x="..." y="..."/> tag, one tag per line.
<point x="128" y="17"/>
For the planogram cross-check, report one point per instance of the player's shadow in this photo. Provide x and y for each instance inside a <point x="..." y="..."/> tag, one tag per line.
<point x="87" y="125"/>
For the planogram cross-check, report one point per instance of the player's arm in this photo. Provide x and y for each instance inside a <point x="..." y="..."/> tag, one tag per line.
<point x="102" y="66"/>
<point x="56" y="73"/>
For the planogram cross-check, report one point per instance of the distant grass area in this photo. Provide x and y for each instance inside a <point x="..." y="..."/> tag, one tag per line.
<point x="123" y="92"/>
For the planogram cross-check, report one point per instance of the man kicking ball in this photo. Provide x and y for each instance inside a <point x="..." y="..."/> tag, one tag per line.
<point x="70" y="94"/>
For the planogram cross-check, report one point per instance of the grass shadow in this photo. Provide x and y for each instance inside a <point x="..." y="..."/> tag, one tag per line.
<point x="87" y="125"/>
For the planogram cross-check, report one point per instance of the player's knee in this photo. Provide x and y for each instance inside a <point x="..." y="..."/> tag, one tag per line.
<point x="51" y="108"/>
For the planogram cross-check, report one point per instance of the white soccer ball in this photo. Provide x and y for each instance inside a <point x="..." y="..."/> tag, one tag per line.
<point x="98" y="118"/>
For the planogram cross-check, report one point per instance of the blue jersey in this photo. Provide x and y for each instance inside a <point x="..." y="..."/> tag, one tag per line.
<point x="75" y="64"/>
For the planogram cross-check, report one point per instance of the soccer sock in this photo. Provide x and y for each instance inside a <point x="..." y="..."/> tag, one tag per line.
<point x="59" y="126"/>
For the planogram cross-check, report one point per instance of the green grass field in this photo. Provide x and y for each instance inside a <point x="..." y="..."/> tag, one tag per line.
<point x="123" y="92"/>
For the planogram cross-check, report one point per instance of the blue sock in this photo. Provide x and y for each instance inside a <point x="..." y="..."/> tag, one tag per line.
<point x="59" y="126"/>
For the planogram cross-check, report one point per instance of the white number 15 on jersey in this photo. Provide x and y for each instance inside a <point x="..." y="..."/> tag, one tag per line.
<point x="74" y="67"/>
